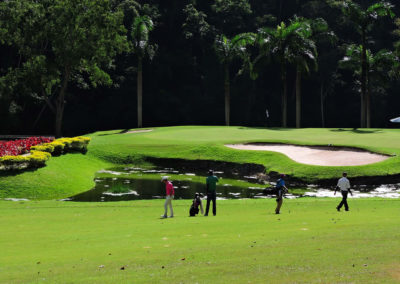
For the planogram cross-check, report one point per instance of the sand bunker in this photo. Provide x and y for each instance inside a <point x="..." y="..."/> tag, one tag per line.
<point x="140" y="131"/>
<point x="319" y="156"/>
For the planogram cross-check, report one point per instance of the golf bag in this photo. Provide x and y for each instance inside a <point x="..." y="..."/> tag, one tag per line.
<point x="194" y="208"/>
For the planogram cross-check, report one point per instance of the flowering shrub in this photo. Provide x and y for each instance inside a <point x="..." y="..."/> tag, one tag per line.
<point x="35" y="159"/>
<point x="21" y="146"/>
<point x="40" y="149"/>
<point x="78" y="143"/>
<point x="46" y="147"/>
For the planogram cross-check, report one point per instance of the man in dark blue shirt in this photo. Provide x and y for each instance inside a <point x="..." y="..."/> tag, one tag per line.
<point x="281" y="189"/>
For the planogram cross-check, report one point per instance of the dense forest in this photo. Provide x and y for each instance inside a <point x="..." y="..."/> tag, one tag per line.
<point x="308" y="63"/>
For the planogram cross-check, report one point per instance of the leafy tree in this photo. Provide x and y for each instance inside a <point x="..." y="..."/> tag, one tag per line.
<point x="141" y="47"/>
<point x="58" y="41"/>
<point x="231" y="16"/>
<point x="195" y="23"/>
<point x="364" y="20"/>
<point x="227" y="50"/>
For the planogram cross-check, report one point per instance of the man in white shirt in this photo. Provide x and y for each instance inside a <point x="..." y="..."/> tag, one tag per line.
<point x="344" y="186"/>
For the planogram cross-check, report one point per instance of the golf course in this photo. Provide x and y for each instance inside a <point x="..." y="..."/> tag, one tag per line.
<point x="48" y="240"/>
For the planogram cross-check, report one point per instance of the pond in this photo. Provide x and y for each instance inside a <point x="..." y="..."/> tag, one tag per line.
<point x="127" y="183"/>
<point x="133" y="183"/>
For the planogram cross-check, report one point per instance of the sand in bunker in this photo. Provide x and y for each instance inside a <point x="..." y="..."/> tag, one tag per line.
<point x="140" y="131"/>
<point x="318" y="156"/>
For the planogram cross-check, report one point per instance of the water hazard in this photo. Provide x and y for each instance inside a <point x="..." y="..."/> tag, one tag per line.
<point x="130" y="183"/>
<point x="136" y="183"/>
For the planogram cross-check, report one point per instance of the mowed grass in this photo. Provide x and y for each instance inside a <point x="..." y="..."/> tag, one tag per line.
<point x="310" y="242"/>
<point x="73" y="173"/>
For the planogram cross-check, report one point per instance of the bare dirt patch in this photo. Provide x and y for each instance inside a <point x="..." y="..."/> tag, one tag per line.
<point x="319" y="156"/>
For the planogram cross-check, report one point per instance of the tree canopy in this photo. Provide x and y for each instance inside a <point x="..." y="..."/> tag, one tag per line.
<point x="82" y="60"/>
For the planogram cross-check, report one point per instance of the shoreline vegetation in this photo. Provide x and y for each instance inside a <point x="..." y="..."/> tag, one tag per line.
<point x="71" y="174"/>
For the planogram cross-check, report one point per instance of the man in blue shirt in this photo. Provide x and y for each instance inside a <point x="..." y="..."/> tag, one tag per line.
<point x="281" y="189"/>
<point x="211" y="191"/>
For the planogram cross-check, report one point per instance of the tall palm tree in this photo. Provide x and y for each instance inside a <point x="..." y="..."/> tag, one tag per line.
<point x="314" y="30"/>
<point x="227" y="50"/>
<point x="380" y="68"/>
<point x="305" y="57"/>
<point x="286" y="44"/>
<point x="141" y="28"/>
<point x="364" y="20"/>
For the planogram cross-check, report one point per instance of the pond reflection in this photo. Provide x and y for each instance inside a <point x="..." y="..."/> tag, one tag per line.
<point x="132" y="183"/>
<point x="135" y="183"/>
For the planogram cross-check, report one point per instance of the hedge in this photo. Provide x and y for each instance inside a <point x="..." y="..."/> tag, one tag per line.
<point x="39" y="154"/>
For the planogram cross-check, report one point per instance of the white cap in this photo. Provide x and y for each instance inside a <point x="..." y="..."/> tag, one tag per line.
<point x="164" y="178"/>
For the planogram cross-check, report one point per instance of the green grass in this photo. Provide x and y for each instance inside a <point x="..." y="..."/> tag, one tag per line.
<point x="70" y="174"/>
<point x="64" y="242"/>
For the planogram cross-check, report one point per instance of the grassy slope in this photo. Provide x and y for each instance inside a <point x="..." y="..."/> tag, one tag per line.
<point x="309" y="243"/>
<point x="74" y="173"/>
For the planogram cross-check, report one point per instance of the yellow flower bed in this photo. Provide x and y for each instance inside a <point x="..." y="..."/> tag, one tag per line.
<point x="39" y="154"/>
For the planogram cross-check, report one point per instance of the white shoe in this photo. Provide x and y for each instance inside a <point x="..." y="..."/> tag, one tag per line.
<point x="172" y="216"/>
<point x="163" y="216"/>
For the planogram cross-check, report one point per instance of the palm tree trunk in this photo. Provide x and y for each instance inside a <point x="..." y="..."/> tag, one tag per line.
<point x="368" y="103"/>
<point x="227" y="95"/>
<point x="322" y="105"/>
<point x="139" y="92"/>
<point x="284" y="97"/>
<point x="298" y="97"/>
<point x="363" y="79"/>
<point x="60" y="103"/>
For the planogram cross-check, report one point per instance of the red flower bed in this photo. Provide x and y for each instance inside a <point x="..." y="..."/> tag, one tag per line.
<point x="21" y="146"/>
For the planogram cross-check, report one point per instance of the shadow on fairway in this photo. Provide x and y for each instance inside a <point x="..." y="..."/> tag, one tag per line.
<point x="267" y="128"/>
<point x="8" y="173"/>
<point x="356" y="130"/>
<point x="123" y="131"/>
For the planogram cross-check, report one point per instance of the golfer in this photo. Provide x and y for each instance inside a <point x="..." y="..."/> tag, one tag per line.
<point x="281" y="189"/>
<point x="344" y="186"/>
<point x="169" y="188"/>
<point x="211" y="191"/>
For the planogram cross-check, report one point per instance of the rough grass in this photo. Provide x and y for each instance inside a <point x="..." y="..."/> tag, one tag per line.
<point x="73" y="173"/>
<point x="63" y="242"/>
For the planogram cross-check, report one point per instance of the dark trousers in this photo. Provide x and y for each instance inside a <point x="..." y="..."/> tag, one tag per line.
<point x="279" y="202"/>
<point x="211" y="197"/>
<point x="344" y="201"/>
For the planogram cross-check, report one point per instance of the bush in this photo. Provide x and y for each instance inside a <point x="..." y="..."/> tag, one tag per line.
<point x="35" y="160"/>
<point x="14" y="162"/>
<point x="46" y="147"/>
<point x="58" y="147"/>
<point x="38" y="158"/>
<point x="78" y="143"/>
<point x="39" y="154"/>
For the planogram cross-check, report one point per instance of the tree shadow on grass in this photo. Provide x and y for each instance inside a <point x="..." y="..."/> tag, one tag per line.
<point x="8" y="173"/>
<point x="266" y="128"/>
<point x="356" y="130"/>
<point x="123" y="131"/>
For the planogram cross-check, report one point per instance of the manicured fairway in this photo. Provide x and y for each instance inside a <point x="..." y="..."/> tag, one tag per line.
<point x="61" y="242"/>
<point x="67" y="175"/>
